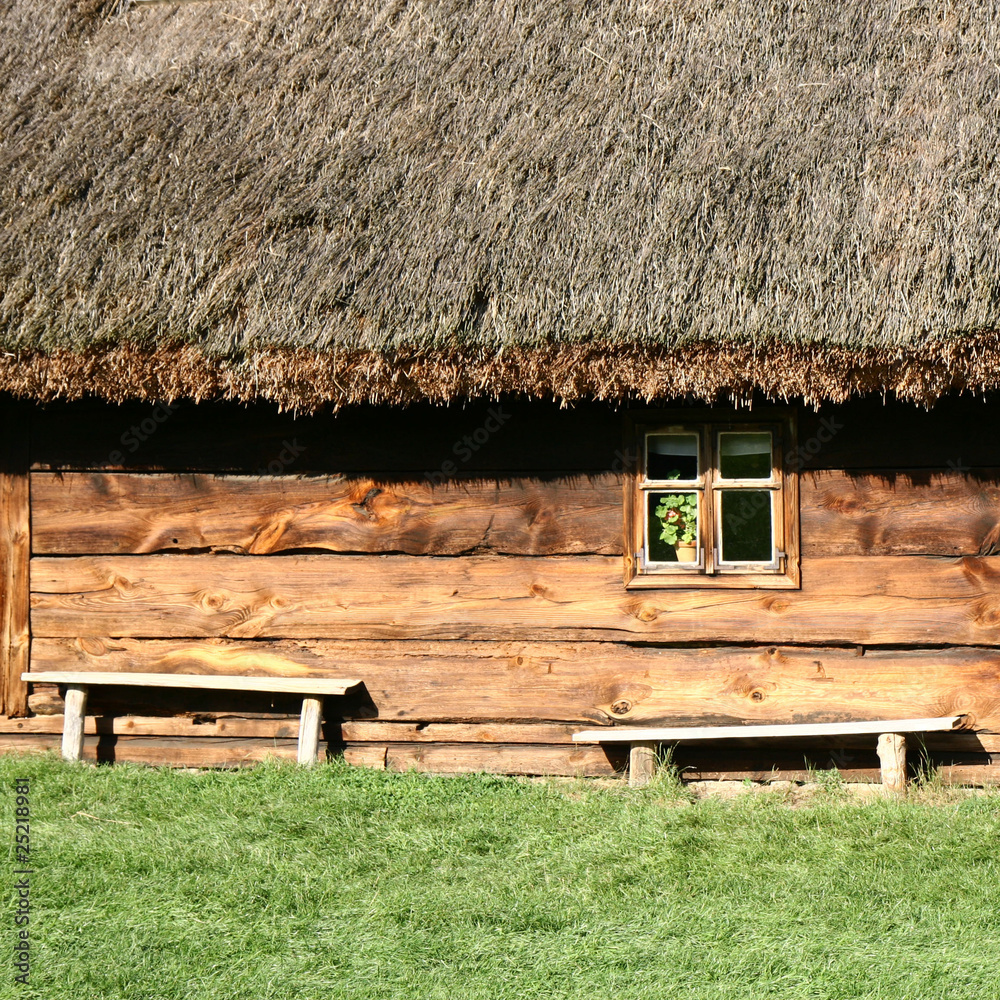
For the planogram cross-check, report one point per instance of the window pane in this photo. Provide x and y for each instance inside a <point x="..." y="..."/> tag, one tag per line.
<point x="746" y="526"/>
<point x="671" y="456"/>
<point x="673" y="527"/>
<point x="745" y="456"/>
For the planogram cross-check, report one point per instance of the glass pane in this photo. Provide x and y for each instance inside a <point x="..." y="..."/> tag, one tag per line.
<point x="671" y="456"/>
<point x="746" y="526"/>
<point x="673" y="527"/>
<point x="745" y="456"/>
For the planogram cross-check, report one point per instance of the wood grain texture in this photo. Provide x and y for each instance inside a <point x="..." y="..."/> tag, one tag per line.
<point x="162" y="750"/>
<point x="15" y="548"/>
<point x="904" y="512"/>
<point x="641" y="763"/>
<point x="893" y="600"/>
<point x="892" y="759"/>
<point x="880" y="512"/>
<point x="310" y="724"/>
<point x="486" y="683"/>
<point x="76" y="709"/>
<point x="463" y="758"/>
<point x="82" y="513"/>
<point x="133" y="725"/>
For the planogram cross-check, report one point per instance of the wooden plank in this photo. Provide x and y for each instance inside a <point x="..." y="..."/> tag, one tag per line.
<point x="15" y="548"/>
<point x="897" y="600"/>
<point x="970" y="774"/>
<point x="876" y="727"/>
<point x="353" y="731"/>
<point x="901" y="512"/>
<point x="464" y="758"/>
<point x="133" y="725"/>
<point x="436" y="442"/>
<point x="83" y="513"/>
<point x="287" y="685"/>
<point x="161" y="751"/>
<point x="589" y="683"/>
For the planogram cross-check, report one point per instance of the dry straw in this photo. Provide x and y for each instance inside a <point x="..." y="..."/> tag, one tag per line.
<point x="347" y="201"/>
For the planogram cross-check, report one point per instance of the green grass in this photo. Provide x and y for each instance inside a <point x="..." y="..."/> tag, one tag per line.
<point x="280" y="882"/>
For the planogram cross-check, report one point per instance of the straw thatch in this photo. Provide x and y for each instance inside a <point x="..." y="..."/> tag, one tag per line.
<point x="343" y="201"/>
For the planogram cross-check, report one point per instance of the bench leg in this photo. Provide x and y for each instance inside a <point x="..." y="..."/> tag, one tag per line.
<point x="892" y="757"/>
<point x="309" y="726"/>
<point x="641" y="764"/>
<point x="73" y="716"/>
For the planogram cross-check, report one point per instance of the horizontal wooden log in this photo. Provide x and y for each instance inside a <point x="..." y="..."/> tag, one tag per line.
<point x="888" y="512"/>
<point x="161" y="751"/>
<point x="355" y="731"/>
<point x="587" y="682"/>
<point x="946" y="512"/>
<point x="80" y="513"/>
<point x="45" y="699"/>
<point x="462" y="758"/>
<point x="771" y="764"/>
<point x="433" y="441"/>
<point x="885" y="601"/>
<point x="235" y="727"/>
<point x="976" y="775"/>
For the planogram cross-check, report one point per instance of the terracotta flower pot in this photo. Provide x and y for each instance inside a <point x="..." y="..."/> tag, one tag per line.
<point x="686" y="551"/>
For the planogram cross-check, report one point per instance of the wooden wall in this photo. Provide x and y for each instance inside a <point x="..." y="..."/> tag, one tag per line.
<point x="467" y="563"/>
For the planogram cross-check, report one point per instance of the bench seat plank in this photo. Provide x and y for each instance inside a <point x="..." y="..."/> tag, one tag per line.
<point x="312" y="686"/>
<point x="623" y="734"/>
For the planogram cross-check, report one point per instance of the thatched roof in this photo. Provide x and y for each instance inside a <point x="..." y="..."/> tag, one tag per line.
<point x="394" y="199"/>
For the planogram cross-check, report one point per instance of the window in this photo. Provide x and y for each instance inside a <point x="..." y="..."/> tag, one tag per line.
<point x="711" y="503"/>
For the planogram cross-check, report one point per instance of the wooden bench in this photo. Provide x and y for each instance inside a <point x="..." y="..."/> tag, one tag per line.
<point x="79" y="681"/>
<point x="891" y="741"/>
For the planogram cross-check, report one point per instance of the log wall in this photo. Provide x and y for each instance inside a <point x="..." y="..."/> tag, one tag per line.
<point x="467" y="563"/>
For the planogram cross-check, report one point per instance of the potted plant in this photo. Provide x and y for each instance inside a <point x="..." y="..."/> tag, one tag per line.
<point x="678" y="513"/>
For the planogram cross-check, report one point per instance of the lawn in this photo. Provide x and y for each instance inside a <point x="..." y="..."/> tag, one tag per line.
<point x="281" y="882"/>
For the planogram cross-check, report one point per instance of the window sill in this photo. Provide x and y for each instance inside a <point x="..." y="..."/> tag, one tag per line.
<point x="718" y="581"/>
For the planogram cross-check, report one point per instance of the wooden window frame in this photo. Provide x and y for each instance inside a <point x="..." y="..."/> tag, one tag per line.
<point x="710" y="571"/>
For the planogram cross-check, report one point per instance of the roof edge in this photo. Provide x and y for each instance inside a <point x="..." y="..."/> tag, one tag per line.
<point x="307" y="380"/>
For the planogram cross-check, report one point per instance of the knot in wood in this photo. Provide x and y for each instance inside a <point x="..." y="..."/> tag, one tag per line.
<point x="621" y="707"/>
<point x="757" y="695"/>
<point x="212" y="602"/>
